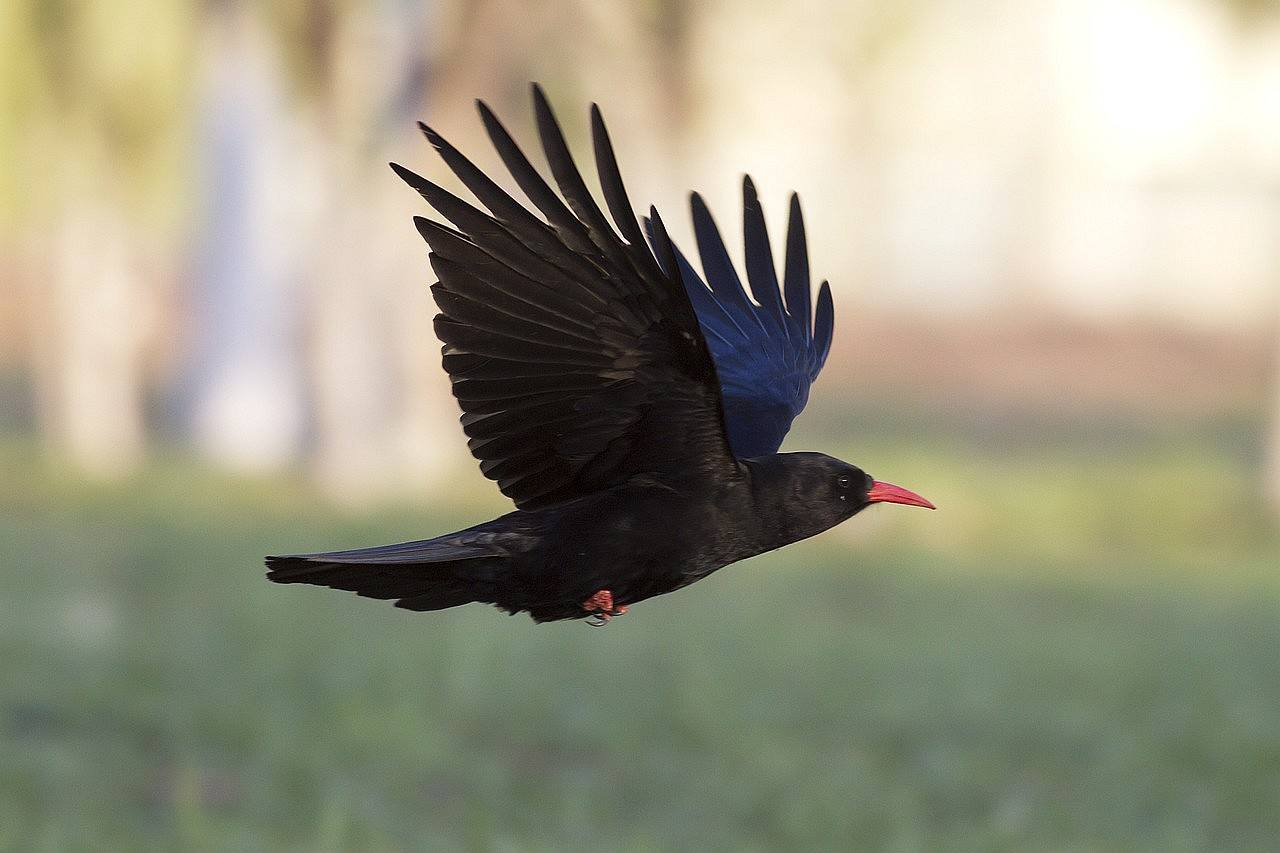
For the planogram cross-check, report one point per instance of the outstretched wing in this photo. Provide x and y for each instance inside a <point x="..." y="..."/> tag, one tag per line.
<point x="767" y="354"/>
<point x="578" y="363"/>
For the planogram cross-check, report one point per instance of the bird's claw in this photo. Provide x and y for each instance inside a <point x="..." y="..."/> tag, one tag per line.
<point x="602" y="609"/>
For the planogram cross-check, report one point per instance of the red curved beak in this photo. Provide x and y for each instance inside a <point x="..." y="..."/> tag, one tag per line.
<point x="890" y="494"/>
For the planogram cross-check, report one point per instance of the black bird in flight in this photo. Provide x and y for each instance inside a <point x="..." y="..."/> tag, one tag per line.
<point x="631" y="412"/>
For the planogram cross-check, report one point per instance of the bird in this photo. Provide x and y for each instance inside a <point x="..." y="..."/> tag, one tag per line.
<point x="631" y="410"/>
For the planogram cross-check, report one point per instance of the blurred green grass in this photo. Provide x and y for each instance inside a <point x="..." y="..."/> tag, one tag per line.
<point x="1077" y="652"/>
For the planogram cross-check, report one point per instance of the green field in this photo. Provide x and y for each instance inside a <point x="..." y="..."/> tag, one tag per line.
<point x="1079" y="651"/>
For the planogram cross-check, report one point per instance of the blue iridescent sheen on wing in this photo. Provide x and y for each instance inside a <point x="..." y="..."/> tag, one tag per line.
<point x="767" y="352"/>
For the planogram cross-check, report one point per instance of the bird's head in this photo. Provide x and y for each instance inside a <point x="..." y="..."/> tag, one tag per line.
<point x="820" y="491"/>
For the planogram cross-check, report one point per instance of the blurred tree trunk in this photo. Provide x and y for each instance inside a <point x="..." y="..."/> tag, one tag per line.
<point x="378" y="418"/>
<point x="245" y="392"/>
<point x="1271" y="469"/>
<point x="95" y="127"/>
<point x="89" y="329"/>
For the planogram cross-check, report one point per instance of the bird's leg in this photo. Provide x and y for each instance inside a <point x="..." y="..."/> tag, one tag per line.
<point x="602" y="609"/>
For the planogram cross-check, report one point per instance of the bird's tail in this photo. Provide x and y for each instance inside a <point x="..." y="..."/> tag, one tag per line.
<point x="428" y="575"/>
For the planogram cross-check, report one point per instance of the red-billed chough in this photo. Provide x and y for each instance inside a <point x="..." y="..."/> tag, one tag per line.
<point x="632" y="412"/>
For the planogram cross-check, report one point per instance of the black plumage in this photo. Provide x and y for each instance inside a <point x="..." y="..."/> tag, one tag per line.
<point x="631" y="412"/>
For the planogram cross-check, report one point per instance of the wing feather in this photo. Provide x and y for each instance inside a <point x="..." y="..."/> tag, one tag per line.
<point x="615" y="196"/>
<point x="796" y="274"/>
<point x="722" y="278"/>
<point x="532" y="184"/>
<point x="823" y="326"/>
<point x="570" y="182"/>
<point x="767" y="353"/>
<point x="761" y="274"/>
<point x="529" y="229"/>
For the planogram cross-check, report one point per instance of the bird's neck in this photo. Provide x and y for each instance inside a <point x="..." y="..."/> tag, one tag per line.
<point x="784" y="513"/>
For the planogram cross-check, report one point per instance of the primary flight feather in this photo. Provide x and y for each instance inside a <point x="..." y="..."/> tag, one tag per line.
<point x="630" y="410"/>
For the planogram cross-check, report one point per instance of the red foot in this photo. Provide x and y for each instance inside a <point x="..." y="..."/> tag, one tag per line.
<point x="602" y="608"/>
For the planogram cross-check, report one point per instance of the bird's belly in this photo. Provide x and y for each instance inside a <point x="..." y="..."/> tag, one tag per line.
<point x="564" y="598"/>
<point x="634" y="549"/>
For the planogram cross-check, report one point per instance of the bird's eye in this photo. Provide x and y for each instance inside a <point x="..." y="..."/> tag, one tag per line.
<point x="843" y="481"/>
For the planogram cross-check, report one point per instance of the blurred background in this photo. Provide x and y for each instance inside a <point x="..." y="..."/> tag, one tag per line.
<point x="1053" y="232"/>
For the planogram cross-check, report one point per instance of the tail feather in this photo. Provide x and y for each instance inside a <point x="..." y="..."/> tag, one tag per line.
<point x="455" y="546"/>
<point x="428" y="575"/>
